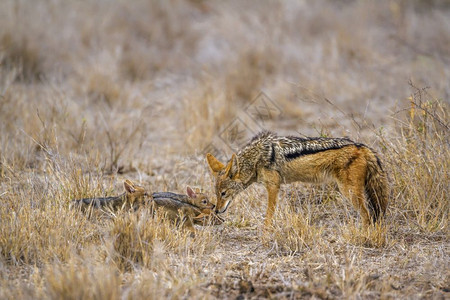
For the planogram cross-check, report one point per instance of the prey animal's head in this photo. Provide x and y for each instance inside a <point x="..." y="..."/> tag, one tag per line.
<point x="134" y="193"/>
<point x="227" y="181"/>
<point x="198" y="198"/>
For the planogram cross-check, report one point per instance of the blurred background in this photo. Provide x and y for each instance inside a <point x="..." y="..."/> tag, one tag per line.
<point x="121" y="86"/>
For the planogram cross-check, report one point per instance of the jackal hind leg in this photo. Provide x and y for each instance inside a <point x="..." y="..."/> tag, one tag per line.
<point x="271" y="181"/>
<point x="354" y="191"/>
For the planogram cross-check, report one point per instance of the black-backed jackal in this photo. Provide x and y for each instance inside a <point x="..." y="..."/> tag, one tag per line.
<point x="273" y="160"/>
<point x="133" y="197"/>
<point x="192" y="208"/>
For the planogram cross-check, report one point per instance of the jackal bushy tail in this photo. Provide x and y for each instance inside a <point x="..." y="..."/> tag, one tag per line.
<point x="376" y="188"/>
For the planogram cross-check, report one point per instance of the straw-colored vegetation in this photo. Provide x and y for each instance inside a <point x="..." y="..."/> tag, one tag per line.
<point x="94" y="92"/>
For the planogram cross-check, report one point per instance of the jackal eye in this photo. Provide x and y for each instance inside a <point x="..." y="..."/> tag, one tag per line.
<point x="223" y="193"/>
<point x="204" y="202"/>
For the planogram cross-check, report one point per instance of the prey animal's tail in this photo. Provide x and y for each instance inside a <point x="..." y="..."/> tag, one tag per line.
<point x="376" y="187"/>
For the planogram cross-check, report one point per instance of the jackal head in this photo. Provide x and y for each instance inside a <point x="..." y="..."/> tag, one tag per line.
<point x="134" y="193"/>
<point x="199" y="199"/>
<point x="227" y="181"/>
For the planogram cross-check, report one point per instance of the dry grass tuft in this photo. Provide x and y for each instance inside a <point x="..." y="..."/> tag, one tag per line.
<point x="65" y="280"/>
<point x="419" y="163"/>
<point x="134" y="237"/>
<point x="374" y="236"/>
<point x="294" y="232"/>
<point x="30" y="233"/>
<point x="132" y="241"/>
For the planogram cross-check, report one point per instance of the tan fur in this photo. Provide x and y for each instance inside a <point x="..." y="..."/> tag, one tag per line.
<point x="135" y="195"/>
<point x="192" y="208"/>
<point x="274" y="160"/>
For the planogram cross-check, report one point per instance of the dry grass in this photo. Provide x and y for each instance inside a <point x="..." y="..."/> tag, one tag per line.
<point x="95" y="92"/>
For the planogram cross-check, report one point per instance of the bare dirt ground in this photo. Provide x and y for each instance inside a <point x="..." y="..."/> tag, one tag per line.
<point x="96" y="92"/>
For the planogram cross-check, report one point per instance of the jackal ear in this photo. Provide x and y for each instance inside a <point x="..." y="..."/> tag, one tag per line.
<point x="235" y="171"/>
<point x="190" y="192"/>
<point x="214" y="164"/>
<point x="232" y="169"/>
<point x="129" y="186"/>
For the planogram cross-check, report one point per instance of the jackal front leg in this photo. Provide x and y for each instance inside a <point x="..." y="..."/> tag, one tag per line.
<point x="271" y="180"/>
